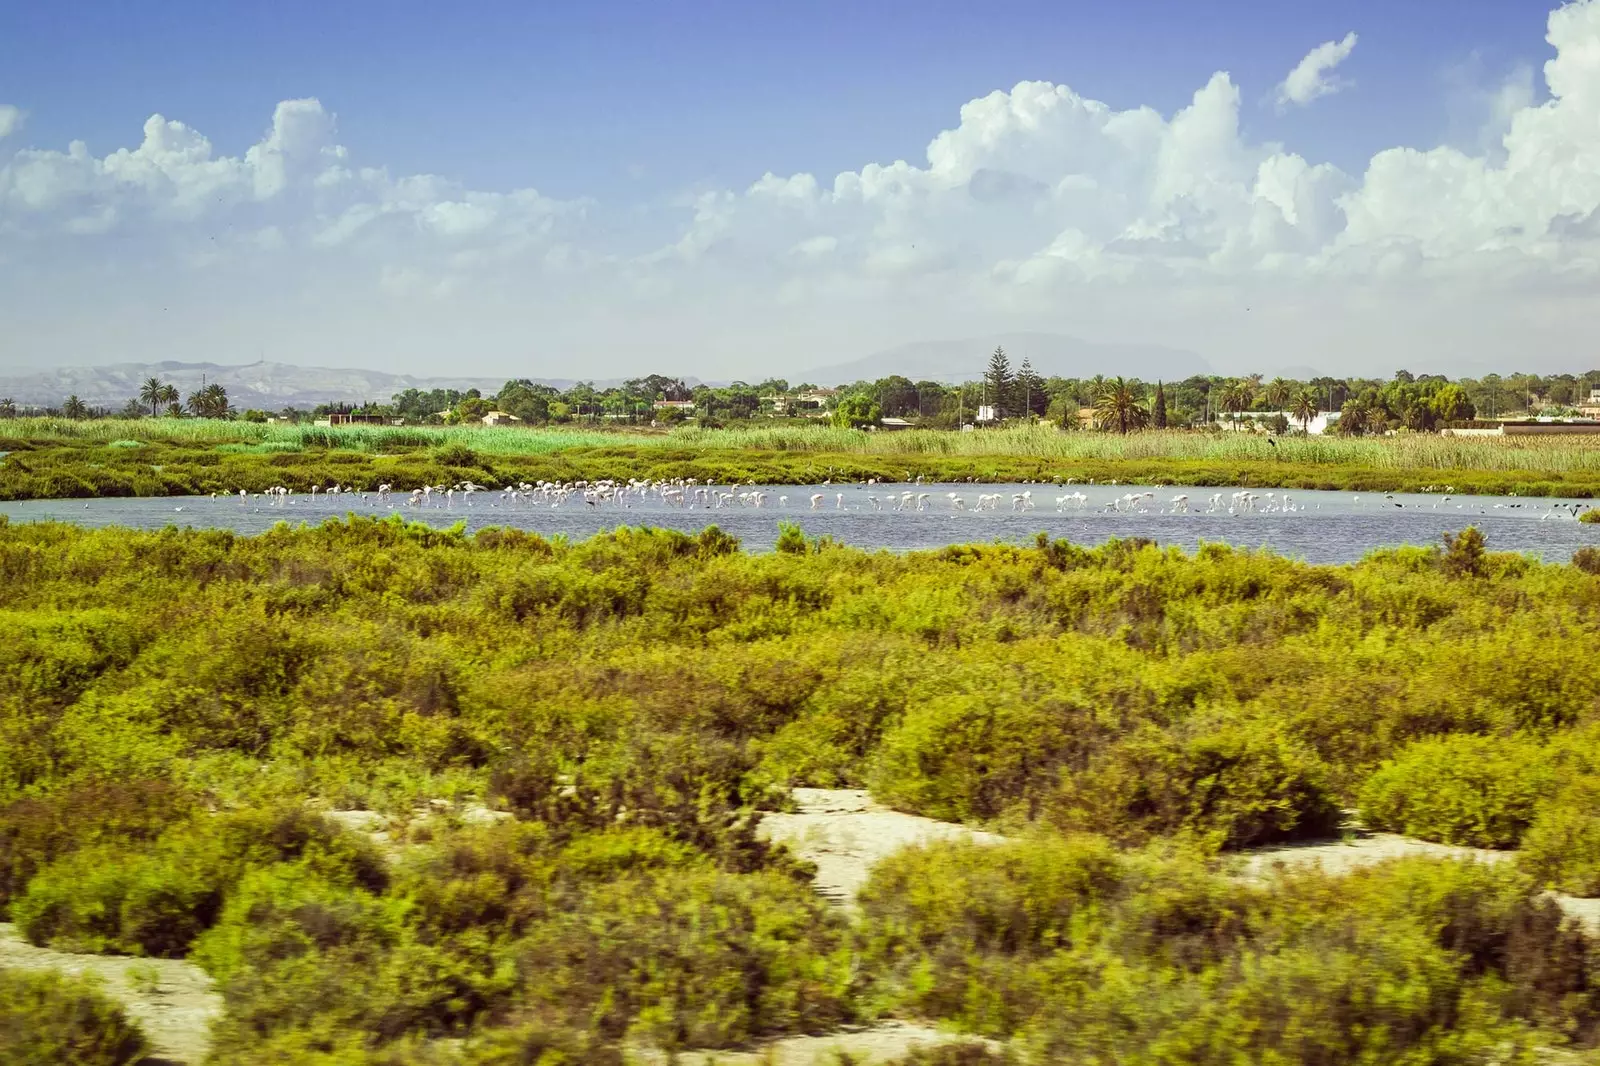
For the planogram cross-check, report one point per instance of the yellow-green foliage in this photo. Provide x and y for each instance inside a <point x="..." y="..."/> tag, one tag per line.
<point x="1562" y="846"/>
<point x="172" y="702"/>
<point x="47" y="1019"/>
<point x="1479" y="791"/>
<point x="1088" y="955"/>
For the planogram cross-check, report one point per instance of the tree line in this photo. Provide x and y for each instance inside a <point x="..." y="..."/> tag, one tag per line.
<point x="1000" y="393"/>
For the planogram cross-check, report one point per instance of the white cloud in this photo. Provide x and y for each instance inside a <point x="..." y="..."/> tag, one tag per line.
<point x="11" y="119"/>
<point x="1313" y="76"/>
<point x="1038" y="209"/>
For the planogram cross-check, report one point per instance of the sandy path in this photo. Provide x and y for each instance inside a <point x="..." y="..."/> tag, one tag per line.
<point x="175" y="1014"/>
<point x="867" y="1044"/>
<point x="844" y="832"/>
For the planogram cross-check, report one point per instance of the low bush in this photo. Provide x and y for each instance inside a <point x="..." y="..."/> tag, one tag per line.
<point x="1463" y="789"/>
<point x="1561" y="848"/>
<point x="48" y="1019"/>
<point x="36" y="831"/>
<point x="1085" y="955"/>
<point x="156" y="900"/>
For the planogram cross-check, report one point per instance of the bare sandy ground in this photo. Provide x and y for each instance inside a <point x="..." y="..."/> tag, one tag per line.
<point x="175" y="1013"/>
<point x="868" y="1044"/>
<point x="844" y="832"/>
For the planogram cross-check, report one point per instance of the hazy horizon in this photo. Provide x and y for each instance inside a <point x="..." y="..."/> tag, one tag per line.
<point x="609" y="193"/>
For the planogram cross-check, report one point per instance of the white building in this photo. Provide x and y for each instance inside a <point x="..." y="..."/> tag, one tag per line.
<point x="1254" y="421"/>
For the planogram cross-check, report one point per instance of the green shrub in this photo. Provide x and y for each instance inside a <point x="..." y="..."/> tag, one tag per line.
<point x="1238" y="785"/>
<point x="36" y="831"/>
<point x="1587" y="558"/>
<point x="48" y="1019"/>
<point x="1472" y="790"/>
<point x="156" y="901"/>
<point x="1562" y="846"/>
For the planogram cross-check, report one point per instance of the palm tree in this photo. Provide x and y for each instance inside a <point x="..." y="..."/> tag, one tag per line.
<point x="218" y="401"/>
<point x="74" y="407"/>
<point x="1277" y="393"/>
<point x="154" y="393"/>
<point x="1303" y="406"/>
<point x="8" y="407"/>
<point x="1235" y="397"/>
<point x="1118" y="406"/>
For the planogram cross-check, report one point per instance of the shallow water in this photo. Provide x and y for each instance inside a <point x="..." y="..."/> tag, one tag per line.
<point x="1320" y="527"/>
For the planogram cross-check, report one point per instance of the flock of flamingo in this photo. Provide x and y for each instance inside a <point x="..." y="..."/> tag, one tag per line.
<point x="691" y="494"/>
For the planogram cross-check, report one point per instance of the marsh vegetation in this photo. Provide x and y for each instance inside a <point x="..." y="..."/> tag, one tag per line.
<point x="180" y="709"/>
<point x="167" y="457"/>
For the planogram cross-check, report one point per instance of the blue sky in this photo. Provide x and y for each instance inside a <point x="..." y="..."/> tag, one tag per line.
<point x="644" y="126"/>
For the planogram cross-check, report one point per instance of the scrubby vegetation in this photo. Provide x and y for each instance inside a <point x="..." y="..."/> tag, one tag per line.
<point x="50" y="1020"/>
<point x="54" y="458"/>
<point x="568" y="746"/>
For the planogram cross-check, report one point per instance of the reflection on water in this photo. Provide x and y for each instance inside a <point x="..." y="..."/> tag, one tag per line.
<point x="1321" y="527"/>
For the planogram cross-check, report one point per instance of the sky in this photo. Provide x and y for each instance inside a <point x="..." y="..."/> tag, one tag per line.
<point x="732" y="190"/>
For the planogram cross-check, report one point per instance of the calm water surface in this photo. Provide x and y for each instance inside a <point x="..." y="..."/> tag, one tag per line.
<point x="1320" y="527"/>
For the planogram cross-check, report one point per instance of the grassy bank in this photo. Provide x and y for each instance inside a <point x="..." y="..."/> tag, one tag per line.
<point x="195" y="457"/>
<point x="176" y="706"/>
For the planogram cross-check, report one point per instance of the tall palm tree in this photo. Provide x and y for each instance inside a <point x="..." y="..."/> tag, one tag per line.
<point x="8" y="407"/>
<point x="1235" y="397"/>
<point x="75" y="408"/>
<point x="1117" y="406"/>
<point x="1277" y="393"/>
<point x="1303" y="406"/>
<point x="154" y="393"/>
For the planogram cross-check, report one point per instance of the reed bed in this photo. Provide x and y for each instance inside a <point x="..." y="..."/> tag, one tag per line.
<point x="1549" y="455"/>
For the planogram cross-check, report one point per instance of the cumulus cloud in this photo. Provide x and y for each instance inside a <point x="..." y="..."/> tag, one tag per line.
<point x="1314" y="75"/>
<point x="1038" y="208"/>
<point x="11" y="119"/>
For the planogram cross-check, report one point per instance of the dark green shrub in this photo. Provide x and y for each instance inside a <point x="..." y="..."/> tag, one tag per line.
<point x="1472" y="790"/>
<point x="35" y="832"/>
<point x="1587" y="558"/>
<point x="1238" y="785"/>
<point x="1464" y="553"/>
<point x="157" y="900"/>
<point x="456" y="455"/>
<point x="48" y="1019"/>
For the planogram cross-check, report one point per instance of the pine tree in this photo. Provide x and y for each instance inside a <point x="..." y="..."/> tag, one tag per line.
<point x="1158" y="408"/>
<point x="1029" y="394"/>
<point x="999" y="381"/>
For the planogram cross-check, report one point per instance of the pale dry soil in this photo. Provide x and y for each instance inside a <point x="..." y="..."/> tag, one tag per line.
<point x="843" y="831"/>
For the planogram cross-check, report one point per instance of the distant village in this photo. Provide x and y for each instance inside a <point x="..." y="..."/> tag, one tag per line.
<point x="999" y="393"/>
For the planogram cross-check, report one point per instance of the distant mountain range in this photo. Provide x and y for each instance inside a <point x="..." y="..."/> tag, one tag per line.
<point x="1050" y="354"/>
<point x="272" y="386"/>
<point x="264" y="385"/>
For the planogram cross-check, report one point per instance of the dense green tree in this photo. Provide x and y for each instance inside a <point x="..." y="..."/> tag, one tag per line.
<point x="999" y="382"/>
<point x="856" y="410"/>
<point x="1158" y="408"/>
<point x="1118" y="406"/>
